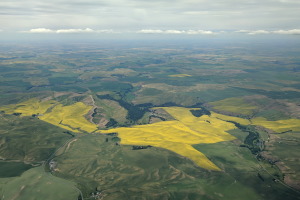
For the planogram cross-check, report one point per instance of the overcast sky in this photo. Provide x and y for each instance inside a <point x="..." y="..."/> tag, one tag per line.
<point x="206" y="17"/>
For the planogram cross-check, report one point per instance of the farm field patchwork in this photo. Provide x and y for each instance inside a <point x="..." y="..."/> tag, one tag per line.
<point x="178" y="135"/>
<point x="199" y="120"/>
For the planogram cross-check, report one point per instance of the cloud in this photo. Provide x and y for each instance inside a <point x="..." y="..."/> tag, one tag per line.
<point x="62" y="31"/>
<point x="251" y="32"/>
<point x="282" y="32"/>
<point x="172" y="31"/>
<point x="288" y="32"/>
<point x="259" y="32"/>
<point x="201" y="32"/>
<point x="87" y="30"/>
<point x="150" y="31"/>
<point x="178" y="15"/>
<point x="160" y="31"/>
<point x="40" y="30"/>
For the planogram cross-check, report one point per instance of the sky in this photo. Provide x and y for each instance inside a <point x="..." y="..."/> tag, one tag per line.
<point x="179" y="17"/>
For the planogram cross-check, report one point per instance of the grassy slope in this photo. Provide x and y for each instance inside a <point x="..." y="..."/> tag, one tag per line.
<point x="245" y="169"/>
<point x="111" y="109"/>
<point x="235" y="105"/>
<point x="154" y="173"/>
<point x="122" y="173"/>
<point x="36" y="184"/>
<point x="28" y="139"/>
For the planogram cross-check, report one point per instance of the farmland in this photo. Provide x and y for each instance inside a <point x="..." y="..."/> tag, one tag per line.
<point x="179" y="135"/>
<point x="191" y="121"/>
<point x="68" y="117"/>
<point x="235" y="105"/>
<point x="29" y="107"/>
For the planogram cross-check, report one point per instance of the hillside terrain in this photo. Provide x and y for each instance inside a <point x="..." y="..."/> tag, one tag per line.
<point x="149" y="122"/>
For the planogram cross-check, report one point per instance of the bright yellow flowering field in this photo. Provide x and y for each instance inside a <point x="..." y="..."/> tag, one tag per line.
<point x="68" y="117"/>
<point x="179" y="135"/>
<point x="278" y="126"/>
<point x="29" y="107"/>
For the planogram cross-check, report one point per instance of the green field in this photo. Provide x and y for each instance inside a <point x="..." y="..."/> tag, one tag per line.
<point x="29" y="139"/>
<point x="118" y="172"/>
<point x="37" y="184"/>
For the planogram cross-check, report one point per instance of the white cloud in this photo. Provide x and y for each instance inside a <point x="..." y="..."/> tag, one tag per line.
<point x="250" y="32"/>
<point x="258" y="32"/>
<point x="201" y="32"/>
<point x="62" y="31"/>
<point x="150" y="31"/>
<point x="40" y="30"/>
<point x="174" y="32"/>
<point x="87" y="30"/>
<point x="288" y="32"/>
<point x="159" y="31"/>
<point x="283" y="32"/>
<point x="190" y="32"/>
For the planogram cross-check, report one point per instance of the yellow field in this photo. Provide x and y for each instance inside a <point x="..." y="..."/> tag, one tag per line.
<point x="230" y="118"/>
<point x="278" y="126"/>
<point x="68" y="117"/>
<point x="179" y="75"/>
<point x="179" y="135"/>
<point x="235" y="105"/>
<point x="29" y="107"/>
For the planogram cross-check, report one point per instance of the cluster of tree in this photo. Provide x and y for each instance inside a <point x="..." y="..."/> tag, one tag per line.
<point x="140" y="147"/>
<point x="199" y="113"/>
<point x="253" y="141"/>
